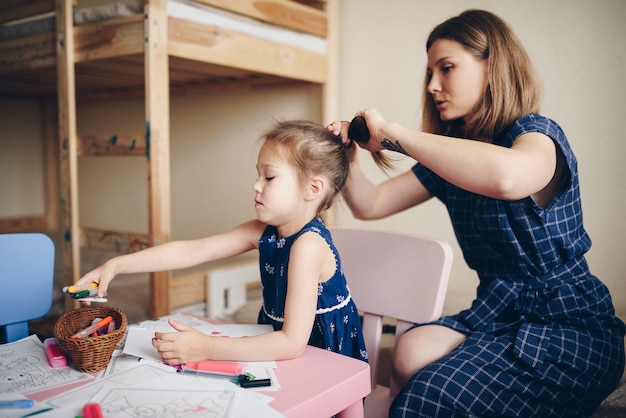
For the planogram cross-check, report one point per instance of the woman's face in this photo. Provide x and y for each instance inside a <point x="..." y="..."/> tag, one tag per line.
<point x="458" y="79"/>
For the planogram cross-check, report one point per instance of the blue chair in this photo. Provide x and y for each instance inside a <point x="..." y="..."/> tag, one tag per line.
<point x="26" y="280"/>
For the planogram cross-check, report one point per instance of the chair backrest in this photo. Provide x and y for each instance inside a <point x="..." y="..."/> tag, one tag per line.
<point x="393" y="275"/>
<point x="26" y="280"/>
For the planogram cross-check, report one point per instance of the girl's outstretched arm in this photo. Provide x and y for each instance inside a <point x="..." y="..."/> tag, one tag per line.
<point x="311" y="260"/>
<point x="178" y="254"/>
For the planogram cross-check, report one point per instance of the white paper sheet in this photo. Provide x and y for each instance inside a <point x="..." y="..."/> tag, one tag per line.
<point x="139" y="337"/>
<point x="24" y="368"/>
<point x="182" y="396"/>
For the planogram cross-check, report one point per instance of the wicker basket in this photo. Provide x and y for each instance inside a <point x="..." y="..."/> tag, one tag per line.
<point x="89" y="354"/>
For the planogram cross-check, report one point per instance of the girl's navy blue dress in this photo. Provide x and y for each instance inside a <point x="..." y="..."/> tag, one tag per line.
<point x="337" y="325"/>
<point x="543" y="339"/>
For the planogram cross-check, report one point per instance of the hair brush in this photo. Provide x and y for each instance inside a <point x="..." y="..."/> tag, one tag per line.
<point x="358" y="130"/>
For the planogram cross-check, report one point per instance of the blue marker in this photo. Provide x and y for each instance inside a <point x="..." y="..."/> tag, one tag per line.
<point x="17" y="404"/>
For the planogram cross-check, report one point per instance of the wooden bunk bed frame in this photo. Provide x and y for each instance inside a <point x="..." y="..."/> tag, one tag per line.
<point x="150" y="55"/>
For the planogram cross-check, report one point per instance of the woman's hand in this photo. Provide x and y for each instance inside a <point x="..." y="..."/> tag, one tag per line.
<point x="184" y="346"/>
<point x="375" y="123"/>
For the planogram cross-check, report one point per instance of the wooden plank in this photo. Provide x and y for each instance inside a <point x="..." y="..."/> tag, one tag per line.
<point x="108" y="145"/>
<point x="289" y="14"/>
<point x="23" y="224"/>
<point x="11" y="10"/>
<point x="187" y="289"/>
<point x="36" y="51"/>
<point x="158" y="142"/>
<point x="68" y="171"/>
<point x="330" y="92"/>
<point x="110" y="38"/>
<point x="118" y="241"/>
<point x="231" y="49"/>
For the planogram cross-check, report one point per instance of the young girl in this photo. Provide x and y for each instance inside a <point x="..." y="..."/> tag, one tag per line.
<point x="541" y="339"/>
<point x="301" y="168"/>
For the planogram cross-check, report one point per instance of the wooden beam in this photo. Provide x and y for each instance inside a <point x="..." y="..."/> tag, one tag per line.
<point x="288" y="14"/>
<point x="158" y="142"/>
<point x="330" y="93"/>
<point x="116" y="241"/>
<point x="23" y="224"/>
<point x="70" y="244"/>
<point x="187" y="289"/>
<point x="11" y="10"/>
<point x="231" y="49"/>
<point x="108" y="145"/>
<point x="110" y="38"/>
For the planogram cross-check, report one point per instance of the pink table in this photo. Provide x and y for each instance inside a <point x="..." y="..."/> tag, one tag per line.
<point x="321" y="383"/>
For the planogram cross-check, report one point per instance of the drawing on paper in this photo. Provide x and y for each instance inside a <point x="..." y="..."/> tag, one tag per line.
<point x="141" y="402"/>
<point x="24" y="368"/>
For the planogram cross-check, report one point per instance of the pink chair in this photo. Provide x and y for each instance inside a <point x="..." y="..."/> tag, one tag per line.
<point x="393" y="275"/>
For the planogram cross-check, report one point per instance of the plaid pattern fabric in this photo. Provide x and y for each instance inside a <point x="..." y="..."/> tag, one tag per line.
<point x="543" y="339"/>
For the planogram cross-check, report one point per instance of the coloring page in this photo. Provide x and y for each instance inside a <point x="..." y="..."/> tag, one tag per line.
<point x="24" y="368"/>
<point x="82" y="395"/>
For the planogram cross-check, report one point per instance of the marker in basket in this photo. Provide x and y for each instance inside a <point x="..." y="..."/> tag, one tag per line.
<point x="92" y="328"/>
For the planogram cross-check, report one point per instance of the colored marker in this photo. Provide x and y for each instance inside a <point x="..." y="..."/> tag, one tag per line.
<point x="92" y="328"/>
<point x="54" y="353"/>
<point x="93" y="299"/>
<point x="92" y="410"/>
<point x="257" y="383"/>
<point x="41" y="411"/>
<point x="78" y="287"/>
<point x="17" y="404"/>
<point x="198" y="373"/>
<point x="218" y="366"/>
<point x="85" y="293"/>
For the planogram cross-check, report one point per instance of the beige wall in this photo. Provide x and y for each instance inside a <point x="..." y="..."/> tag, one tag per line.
<point x="577" y="46"/>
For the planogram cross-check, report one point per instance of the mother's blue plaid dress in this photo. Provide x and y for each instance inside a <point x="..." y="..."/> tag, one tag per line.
<point x="543" y="339"/>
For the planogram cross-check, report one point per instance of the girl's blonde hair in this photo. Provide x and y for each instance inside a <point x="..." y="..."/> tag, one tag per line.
<point x="312" y="151"/>
<point x="513" y="90"/>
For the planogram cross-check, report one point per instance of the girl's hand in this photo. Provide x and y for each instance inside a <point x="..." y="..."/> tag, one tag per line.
<point x="184" y="346"/>
<point x="102" y="276"/>
<point x="340" y="129"/>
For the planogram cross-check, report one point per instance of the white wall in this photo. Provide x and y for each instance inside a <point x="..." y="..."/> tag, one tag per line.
<point x="577" y="47"/>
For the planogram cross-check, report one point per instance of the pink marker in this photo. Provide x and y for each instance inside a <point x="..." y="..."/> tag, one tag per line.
<point x="54" y="353"/>
<point x="217" y="366"/>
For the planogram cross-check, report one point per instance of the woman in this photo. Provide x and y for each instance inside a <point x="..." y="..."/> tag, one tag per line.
<point x="541" y="339"/>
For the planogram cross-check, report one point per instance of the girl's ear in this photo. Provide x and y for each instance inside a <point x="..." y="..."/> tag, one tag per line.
<point x="315" y="188"/>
